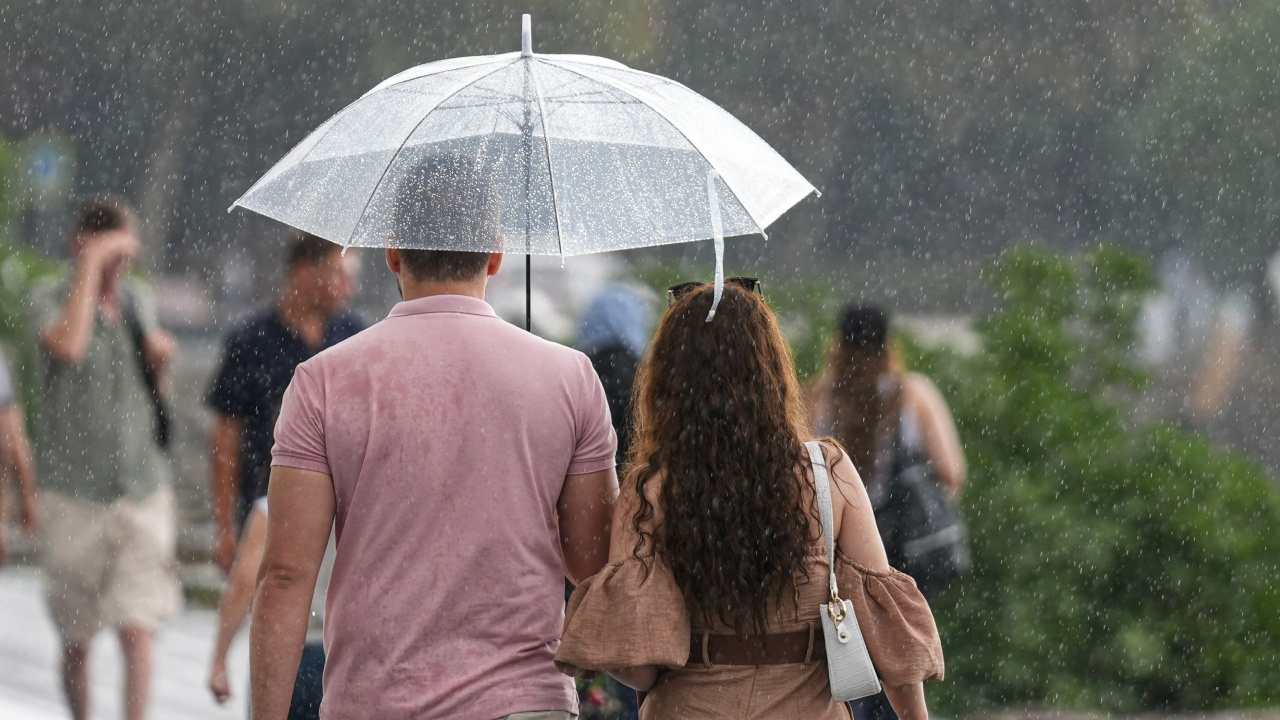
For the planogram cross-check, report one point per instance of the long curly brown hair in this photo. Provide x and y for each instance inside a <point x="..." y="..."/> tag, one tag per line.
<point x="720" y="424"/>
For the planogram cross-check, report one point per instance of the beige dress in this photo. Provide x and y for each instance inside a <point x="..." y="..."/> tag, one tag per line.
<point x="625" y="617"/>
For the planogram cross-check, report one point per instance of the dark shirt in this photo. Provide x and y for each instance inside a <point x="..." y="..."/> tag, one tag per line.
<point x="616" y="367"/>
<point x="258" y="361"/>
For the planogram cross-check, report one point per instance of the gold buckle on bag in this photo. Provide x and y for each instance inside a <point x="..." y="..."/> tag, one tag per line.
<point x="835" y="608"/>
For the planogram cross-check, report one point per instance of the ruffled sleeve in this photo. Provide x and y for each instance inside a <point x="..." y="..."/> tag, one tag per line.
<point x="895" y="620"/>
<point x="625" y="617"/>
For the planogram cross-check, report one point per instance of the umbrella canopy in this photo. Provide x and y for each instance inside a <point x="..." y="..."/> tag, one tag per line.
<point x="585" y="155"/>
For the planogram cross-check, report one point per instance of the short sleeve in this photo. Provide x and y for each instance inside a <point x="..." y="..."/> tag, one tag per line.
<point x="896" y="623"/>
<point x="300" y="439"/>
<point x="597" y="444"/>
<point x="230" y="394"/>
<point x="626" y="615"/>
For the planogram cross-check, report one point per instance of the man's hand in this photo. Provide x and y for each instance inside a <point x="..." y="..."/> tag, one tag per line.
<point x="218" y="683"/>
<point x="224" y="549"/>
<point x="111" y="247"/>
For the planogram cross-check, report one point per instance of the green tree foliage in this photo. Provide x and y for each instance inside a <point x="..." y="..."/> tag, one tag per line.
<point x="1118" y="567"/>
<point x="18" y="267"/>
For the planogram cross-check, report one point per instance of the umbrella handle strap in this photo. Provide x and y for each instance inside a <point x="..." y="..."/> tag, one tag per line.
<point x="717" y="230"/>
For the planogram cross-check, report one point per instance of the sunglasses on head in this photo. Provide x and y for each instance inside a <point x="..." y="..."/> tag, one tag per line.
<point x="750" y="284"/>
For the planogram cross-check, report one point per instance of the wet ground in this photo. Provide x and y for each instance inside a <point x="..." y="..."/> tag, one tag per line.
<point x="29" y="651"/>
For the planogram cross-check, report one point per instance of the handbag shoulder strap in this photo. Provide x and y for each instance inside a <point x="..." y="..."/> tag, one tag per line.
<point x="822" y="491"/>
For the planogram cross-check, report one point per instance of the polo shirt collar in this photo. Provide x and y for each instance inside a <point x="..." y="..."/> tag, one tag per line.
<point x="463" y="304"/>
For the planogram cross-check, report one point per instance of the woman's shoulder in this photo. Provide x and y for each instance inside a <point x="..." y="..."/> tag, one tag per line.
<point x="917" y="388"/>
<point x="839" y="466"/>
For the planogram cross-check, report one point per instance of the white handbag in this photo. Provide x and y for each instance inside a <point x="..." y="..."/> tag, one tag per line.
<point x="849" y="667"/>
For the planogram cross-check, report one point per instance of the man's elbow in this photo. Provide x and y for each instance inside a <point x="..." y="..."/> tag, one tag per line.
<point x="284" y="579"/>
<point x="62" y="349"/>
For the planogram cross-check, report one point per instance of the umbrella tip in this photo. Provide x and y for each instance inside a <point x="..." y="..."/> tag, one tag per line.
<point x="526" y="35"/>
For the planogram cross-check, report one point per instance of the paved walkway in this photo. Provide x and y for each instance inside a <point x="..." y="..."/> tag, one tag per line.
<point x="29" y="652"/>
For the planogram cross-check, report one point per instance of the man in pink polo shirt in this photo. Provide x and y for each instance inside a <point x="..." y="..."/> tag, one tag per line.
<point x="469" y="468"/>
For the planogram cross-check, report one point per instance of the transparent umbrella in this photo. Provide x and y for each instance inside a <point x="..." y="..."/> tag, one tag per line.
<point x="586" y="155"/>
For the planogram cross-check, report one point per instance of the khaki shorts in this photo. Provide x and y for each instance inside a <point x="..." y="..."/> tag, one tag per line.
<point x="109" y="565"/>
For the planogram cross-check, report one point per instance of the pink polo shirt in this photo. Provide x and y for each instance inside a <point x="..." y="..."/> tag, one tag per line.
<point x="448" y="434"/>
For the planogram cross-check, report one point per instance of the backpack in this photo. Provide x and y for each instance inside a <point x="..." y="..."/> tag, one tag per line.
<point x="921" y="527"/>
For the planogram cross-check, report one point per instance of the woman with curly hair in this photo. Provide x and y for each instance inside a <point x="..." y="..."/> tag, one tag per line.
<point x="717" y="566"/>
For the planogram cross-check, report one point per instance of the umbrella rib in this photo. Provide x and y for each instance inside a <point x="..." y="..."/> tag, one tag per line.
<point x="546" y="144"/>
<point x="328" y="127"/>
<point x="333" y="121"/>
<point x="427" y="114"/>
<point x="626" y="91"/>
<point x="427" y="70"/>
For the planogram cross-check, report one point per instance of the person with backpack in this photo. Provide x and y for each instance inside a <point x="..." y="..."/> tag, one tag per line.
<point x="901" y="437"/>
<point x="108" y="530"/>
<point x="866" y="399"/>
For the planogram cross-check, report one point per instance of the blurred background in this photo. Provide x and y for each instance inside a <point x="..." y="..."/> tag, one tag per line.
<point x="941" y="134"/>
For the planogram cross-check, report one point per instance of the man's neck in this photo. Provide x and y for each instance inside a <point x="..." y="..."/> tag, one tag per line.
<point x="414" y="290"/>
<point x="303" y="317"/>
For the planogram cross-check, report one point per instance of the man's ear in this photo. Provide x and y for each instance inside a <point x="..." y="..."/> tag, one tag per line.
<point x="495" y="263"/>
<point x="393" y="260"/>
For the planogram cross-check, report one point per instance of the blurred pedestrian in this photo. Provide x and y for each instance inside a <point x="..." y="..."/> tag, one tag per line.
<point x="867" y="400"/>
<point x="612" y="334"/>
<point x="258" y="360"/>
<point x="15" y="462"/>
<point x="469" y="466"/>
<point x="234" y="608"/>
<point x="106" y="502"/>
<point x="717" y="562"/>
<point x="887" y="419"/>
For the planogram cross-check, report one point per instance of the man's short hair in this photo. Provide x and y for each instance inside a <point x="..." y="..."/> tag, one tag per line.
<point x="307" y="248"/>
<point x="101" y="213"/>
<point x="446" y="201"/>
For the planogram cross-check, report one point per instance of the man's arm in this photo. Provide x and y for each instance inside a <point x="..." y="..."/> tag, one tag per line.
<point x="15" y="459"/>
<point x="225" y="457"/>
<point x="67" y="337"/>
<point x="17" y="453"/>
<point x="298" y="527"/>
<point x="233" y="608"/>
<point x="585" y="509"/>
